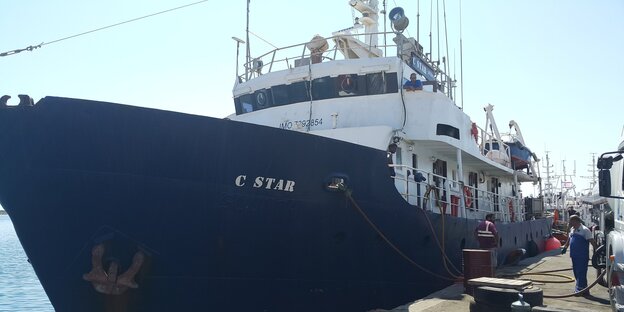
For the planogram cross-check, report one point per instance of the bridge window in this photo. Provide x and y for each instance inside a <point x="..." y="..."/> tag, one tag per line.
<point x="322" y="88"/>
<point x="280" y="95"/>
<point x="350" y="85"/>
<point x="447" y="130"/>
<point x="299" y="92"/>
<point x="380" y="83"/>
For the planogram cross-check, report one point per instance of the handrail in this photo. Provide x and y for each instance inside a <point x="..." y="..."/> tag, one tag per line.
<point x="423" y="193"/>
<point x="443" y="77"/>
<point x="249" y="64"/>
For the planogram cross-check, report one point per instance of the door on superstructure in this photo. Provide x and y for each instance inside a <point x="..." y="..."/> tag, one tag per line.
<point x="473" y="181"/>
<point x="417" y="178"/>
<point x="493" y="188"/>
<point x="440" y="175"/>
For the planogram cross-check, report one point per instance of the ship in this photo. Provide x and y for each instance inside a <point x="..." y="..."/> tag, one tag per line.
<point x="332" y="188"/>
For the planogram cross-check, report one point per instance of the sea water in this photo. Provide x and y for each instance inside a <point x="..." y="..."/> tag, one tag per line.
<point x="20" y="290"/>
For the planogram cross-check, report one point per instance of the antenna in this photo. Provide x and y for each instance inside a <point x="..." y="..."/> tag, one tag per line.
<point x="461" y="57"/>
<point x="238" y="43"/>
<point x="248" y="54"/>
<point x="438" y="27"/>
<point x="448" y="79"/>
<point x="384" y="19"/>
<point x="430" y="30"/>
<point x="417" y="21"/>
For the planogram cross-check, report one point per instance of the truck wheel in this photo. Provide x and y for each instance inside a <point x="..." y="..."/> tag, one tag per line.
<point x="599" y="259"/>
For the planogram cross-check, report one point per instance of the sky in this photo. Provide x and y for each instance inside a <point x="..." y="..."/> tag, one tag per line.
<point x="554" y="67"/>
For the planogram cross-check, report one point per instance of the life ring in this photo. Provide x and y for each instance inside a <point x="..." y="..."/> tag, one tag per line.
<point x="467" y="197"/>
<point x="347" y="84"/>
<point x="511" y="211"/>
<point x="475" y="132"/>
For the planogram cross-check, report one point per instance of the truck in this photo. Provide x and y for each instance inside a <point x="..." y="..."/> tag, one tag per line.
<point x="611" y="187"/>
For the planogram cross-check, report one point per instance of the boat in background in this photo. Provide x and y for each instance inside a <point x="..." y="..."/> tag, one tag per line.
<point x="331" y="188"/>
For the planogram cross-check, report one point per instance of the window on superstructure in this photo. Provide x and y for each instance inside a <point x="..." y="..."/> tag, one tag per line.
<point x="299" y="92"/>
<point x="392" y="82"/>
<point x="323" y="88"/>
<point x="280" y="95"/>
<point x="293" y="93"/>
<point x="380" y="83"/>
<point x="350" y="85"/>
<point x="399" y="159"/>
<point x="244" y="104"/>
<point x="447" y="130"/>
<point x="263" y="99"/>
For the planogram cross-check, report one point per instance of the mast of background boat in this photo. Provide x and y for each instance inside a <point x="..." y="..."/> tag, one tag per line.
<point x="592" y="170"/>
<point x="248" y="54"/>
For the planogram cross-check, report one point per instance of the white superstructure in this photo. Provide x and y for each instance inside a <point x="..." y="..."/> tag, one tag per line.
<point x="351" y="92"/>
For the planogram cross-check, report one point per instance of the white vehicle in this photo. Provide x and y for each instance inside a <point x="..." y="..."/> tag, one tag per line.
<point x="611" y="184"/>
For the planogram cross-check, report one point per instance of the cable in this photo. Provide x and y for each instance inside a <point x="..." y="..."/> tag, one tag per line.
<point x="393" y="246"/>
<point x="251" y="32"/>
<point x="548" y="273"/>
<point x="581" y="291"/>
<point x="30" y="48"/>
<point x="566" y="278"/>
<point x="440" y="245"/>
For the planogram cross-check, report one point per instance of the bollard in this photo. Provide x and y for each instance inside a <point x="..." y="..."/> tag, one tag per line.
<point x="520" y="305"/>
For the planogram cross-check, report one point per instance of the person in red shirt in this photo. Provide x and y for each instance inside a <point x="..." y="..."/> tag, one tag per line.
<point x="487" y="236"/>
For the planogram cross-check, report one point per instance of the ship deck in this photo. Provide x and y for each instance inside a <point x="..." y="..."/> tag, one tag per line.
<point x="453" y="298"/>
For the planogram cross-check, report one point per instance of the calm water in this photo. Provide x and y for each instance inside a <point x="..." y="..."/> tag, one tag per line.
<point x="20" y="289"/>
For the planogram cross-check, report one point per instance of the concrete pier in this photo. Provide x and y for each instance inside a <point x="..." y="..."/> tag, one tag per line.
<point x="452" y="298"/>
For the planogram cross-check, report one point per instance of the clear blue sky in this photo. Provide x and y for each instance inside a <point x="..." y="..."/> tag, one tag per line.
<point x="554" y="67"/>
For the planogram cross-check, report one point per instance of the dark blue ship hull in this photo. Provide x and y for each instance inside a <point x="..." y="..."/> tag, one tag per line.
<point x="230" y="216"/>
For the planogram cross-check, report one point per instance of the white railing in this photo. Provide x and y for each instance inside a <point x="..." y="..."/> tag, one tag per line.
<point x="289" y="56"/>
<point x="441" y="194"/>
<point x="285" y="57"/>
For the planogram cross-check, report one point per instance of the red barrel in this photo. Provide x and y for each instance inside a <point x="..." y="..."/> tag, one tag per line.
<point x="477" y="263"/>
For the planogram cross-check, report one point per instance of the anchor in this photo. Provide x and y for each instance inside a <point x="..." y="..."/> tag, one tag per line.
<point x="109" y="282"/>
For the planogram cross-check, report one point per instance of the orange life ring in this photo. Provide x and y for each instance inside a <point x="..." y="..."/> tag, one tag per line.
<point x="467" y="197"/>
<point x="475" y="132"/>
<point x="511" y="211"/>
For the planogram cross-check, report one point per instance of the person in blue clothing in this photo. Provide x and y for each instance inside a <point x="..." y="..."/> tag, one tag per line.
<point x="413" y="84"/>
<point x="579" y="239"/>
